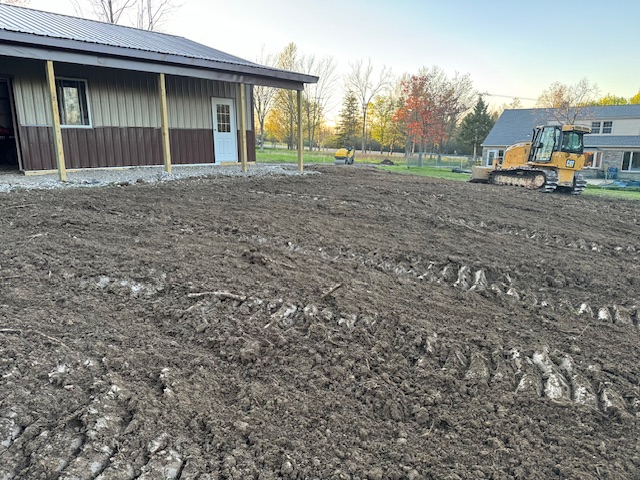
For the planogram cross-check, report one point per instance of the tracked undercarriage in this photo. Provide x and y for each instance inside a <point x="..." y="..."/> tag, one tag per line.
<point x="529" y="178"/>
<point x="544" y="180"/>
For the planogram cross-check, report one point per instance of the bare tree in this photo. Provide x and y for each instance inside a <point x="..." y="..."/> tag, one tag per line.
<point x="362" y="83"/>
<point x="153" y="13"/>
<point x="108" y="11"/>
<point x="263" y="96"/>
<point x="317" y="95"/>
<point x="566" y="102"/>
<point x="283" y="115"/>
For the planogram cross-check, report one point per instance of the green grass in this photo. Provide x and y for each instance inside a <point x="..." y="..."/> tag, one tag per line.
<point x="449" y="175"/>
<point x="606" y="192"/>
<point x="282" y="155"/>
<point x="428" y="172"/>
<point x="277" y="155"/>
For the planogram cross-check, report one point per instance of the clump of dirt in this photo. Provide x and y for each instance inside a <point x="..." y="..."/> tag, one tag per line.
<point x="354" y="324"/>
<point x="387" y="161"/>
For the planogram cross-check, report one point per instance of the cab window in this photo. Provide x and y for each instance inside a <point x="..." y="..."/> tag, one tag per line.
<point x="571" y="142"/>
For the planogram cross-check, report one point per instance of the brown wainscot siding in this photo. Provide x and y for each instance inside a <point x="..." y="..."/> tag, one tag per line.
<point x="191" y="146"/>
<point x="91" y="147"/>
<point x="251" y="146"/>
<point x="119" y="147"/>
<point x="36" y="146"/>
<point x="112" y="147"/>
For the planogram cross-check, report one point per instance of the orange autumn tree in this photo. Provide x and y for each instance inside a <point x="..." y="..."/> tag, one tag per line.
<point x="423" y="112"/>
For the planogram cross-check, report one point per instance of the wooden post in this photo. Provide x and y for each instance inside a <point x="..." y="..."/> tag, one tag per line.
<point x="164" y="115"/>
<point x="243" y="128"/>
<point x="300" y="145"/>
<point x="57" y="131"/>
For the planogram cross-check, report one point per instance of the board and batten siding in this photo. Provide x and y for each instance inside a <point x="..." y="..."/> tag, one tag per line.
<point x="125" y="117"/>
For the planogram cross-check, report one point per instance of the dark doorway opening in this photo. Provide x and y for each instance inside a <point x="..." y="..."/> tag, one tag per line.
<point x="9" y="154"/>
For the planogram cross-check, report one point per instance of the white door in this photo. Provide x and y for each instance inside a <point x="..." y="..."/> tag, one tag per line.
<point x="225" y="139"/>
<point x="491" y="154"/>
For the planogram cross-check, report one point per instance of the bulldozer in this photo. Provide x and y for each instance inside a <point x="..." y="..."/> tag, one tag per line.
<point x="552" y="161"/>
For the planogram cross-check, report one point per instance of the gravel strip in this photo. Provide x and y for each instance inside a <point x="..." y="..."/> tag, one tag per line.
<point x="128" y="176"/>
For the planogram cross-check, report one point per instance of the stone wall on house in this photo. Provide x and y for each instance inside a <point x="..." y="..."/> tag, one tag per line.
<point x="611" y="159"/>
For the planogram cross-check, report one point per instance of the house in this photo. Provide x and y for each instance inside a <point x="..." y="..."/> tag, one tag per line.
<point x="612" y="148"/>
<point x="77" y="93"/>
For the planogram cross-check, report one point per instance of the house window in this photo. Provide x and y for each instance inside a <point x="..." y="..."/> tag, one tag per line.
<point x="631" y="161"/>
<point x="72" y="102"/>
<point x="607" y="127"/>
<point x="595" y="127"/>
<point x="593" y="160"/>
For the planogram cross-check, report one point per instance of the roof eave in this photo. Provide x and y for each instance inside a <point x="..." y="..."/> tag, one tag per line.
<point x="280" y="77"/>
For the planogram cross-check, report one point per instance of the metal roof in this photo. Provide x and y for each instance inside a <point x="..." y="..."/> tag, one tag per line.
<point x="516" y="125"/>
<point x="51" y="30"/>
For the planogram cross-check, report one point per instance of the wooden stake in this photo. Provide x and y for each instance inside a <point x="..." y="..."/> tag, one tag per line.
<point x="243" y="128"/>
<point x="300" y="166"/>
<point x="57" y="130"/>
<point x="166" y="144"/>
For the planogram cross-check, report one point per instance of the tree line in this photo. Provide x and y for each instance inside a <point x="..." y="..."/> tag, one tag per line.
<point x="379" y="112"/>
<point x="427" y="111"/>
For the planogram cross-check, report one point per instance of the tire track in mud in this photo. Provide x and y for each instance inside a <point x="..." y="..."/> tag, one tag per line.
<point x="76" y="447"/>
<point x="540" y="374"/>
<point x="455" y="274"/>
<point x="554" y="240"/>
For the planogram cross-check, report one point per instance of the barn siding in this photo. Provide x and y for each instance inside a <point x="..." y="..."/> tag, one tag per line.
<point x="125" y="117"/>
<point x="189" y="101"/>
<point x="36" y="145"/>
<point x="189" y="146"/>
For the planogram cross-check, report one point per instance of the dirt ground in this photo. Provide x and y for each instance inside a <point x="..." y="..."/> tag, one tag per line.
<point x="354" y="324"/>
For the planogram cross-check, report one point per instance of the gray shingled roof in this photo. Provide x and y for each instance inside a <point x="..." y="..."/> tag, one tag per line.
<point x="89" y="35"/>
<point x="603" y="141"/>
<point x="515" y="126"/>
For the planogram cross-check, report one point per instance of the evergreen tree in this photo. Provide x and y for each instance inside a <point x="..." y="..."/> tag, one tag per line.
<point x="349" y="121"/>
<point x="475" y="127"/>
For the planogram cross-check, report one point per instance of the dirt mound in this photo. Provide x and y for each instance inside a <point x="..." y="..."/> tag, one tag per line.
<point x="353" y="324"/>
<point x="387" y="161"/>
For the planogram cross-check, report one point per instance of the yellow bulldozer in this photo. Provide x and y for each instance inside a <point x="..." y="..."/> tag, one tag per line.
<point x="551" y="161"/>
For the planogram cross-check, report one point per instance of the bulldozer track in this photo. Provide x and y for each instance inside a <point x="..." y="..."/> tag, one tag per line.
<point x="579" y="184"/>
<point x="532" y="179"/>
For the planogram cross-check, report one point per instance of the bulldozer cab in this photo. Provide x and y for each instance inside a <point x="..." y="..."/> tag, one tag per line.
<point x="555" y="138"/>
<point x="545" y="141"/>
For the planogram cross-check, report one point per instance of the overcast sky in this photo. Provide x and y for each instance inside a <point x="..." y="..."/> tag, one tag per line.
<point x="512" y="48"/>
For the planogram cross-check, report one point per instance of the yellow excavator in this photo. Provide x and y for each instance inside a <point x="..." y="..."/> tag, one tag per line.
<point x="551" y="161"/>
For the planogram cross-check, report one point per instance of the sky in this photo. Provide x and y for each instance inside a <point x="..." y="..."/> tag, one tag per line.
<point x="508" y="48"/>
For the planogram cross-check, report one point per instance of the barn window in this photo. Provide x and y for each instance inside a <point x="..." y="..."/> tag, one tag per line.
<point x="72" y="102"/>
<point x="224" y="118"/>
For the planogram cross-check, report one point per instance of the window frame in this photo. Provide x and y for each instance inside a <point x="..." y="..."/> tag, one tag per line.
<point x="609" y="126"/>
<point x="61" y="100"/>
<point x="595" y="128"/>
<point x="632" y="154"/>
<point x="596" y="159"/>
